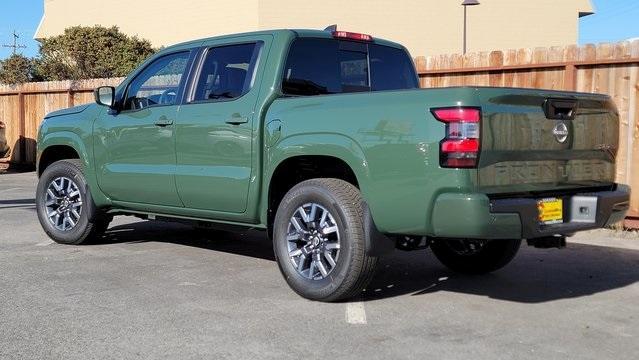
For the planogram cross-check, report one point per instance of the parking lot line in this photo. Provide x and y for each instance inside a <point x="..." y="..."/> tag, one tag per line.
<point x="45" y="243"/>
<point x="356" y="313"/>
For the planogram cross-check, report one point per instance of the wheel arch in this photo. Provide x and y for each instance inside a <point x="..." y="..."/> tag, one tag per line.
<point x="335" y="155"/>
<point x="63" y="145"/>
<point x="60" y="146"/>
<point x="55" y="153"/>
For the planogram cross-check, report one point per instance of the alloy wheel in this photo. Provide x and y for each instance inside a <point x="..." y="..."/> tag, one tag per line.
<point x="313" y="241"/>
<point x="63" y="203"/>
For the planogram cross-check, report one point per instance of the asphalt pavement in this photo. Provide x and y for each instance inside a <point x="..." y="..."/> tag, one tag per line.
<point x="155" y="290"/>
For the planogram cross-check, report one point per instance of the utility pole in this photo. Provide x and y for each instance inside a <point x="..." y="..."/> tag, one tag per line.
<point x="15" y="46"/>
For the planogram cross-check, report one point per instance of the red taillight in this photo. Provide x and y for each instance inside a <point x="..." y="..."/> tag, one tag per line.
<point x="455" y="146"/>
<point x="459" y="114"/>
<point x="460" y="147"/>
<point x="352" y="36"/>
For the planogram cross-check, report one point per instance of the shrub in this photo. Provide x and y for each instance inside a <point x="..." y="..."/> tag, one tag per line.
<point x="17" y="69"/>
<point x="90" y="52"/>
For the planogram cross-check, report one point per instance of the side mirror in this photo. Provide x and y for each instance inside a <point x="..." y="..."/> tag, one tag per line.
<point x="105" y="96"/>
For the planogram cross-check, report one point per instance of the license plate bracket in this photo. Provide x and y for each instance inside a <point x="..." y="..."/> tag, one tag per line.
<point x="551" y="211"/>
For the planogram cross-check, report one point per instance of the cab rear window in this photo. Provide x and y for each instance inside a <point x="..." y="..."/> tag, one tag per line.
<point x="328" y="66"/>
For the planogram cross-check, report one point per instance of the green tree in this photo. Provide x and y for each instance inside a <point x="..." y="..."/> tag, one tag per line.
<point x="90" y="52"/>
<point x="17" y="69"/>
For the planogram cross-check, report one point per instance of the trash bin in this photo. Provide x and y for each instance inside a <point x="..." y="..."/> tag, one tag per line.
<point x="4" y="147"/>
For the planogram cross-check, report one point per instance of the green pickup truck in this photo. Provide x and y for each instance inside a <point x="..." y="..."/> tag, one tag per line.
<point x="324" y="140"/>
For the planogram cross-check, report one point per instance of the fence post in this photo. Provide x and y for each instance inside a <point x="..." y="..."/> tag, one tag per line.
<point x="570" y="77"/>
<point x="70" y="101"/>
<point x="22" y="129"/>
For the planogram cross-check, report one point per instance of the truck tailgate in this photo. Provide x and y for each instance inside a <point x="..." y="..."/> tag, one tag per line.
<point x="536" y="140"/>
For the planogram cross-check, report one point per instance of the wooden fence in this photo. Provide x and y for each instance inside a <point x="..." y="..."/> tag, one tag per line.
<point x="22" y="107"/>
<point x="606" y="68"/>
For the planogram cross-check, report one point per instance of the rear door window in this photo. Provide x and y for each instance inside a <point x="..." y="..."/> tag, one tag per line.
<point x="227" y="72"/>
<point x="327" y="66"/>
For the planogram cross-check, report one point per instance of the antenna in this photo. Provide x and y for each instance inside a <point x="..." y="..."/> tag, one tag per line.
<point x="331" y="28"/>
<point x="15" y="46"/>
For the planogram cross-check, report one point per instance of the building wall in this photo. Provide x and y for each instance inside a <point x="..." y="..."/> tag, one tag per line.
<point x="163" y="22"/>
<point x="426" y="27"/>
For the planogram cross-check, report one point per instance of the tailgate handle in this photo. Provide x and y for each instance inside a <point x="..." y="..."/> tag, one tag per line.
<point x="560" y="109"/>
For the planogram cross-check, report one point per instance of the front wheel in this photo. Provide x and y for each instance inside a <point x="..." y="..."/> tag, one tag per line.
<point x="65" y="208"/>
<point x="319" y="240"/>
<point x="471" y="256"/>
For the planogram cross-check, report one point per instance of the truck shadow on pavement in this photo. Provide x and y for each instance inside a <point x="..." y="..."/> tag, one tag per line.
<point x="534" y="276"/>
<point x="247" y="243"/>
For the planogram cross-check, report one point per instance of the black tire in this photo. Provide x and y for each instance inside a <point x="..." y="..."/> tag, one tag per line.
<point x="91" y="224"/>
<point x="492" y="255"/>
<point x="102" y="223"/>
<point x="353" y="267"/>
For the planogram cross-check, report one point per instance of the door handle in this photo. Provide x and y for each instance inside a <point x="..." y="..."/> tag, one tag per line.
<point x="236" y="119"/>
<point x="163" y="121"/>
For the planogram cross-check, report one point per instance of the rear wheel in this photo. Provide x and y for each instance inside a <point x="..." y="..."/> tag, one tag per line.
<point x="319" y="240"/>
<point x="65" y="208"/>
<point x="472" y="256"/>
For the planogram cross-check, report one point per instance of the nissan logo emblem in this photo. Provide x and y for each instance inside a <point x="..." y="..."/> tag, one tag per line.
<point x="561" y="132"/>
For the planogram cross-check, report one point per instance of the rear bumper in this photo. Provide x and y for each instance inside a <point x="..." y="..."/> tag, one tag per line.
<point x="477" y="216"/>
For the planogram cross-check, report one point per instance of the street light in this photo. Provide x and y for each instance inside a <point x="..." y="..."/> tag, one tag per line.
<point x="466" y="4"/>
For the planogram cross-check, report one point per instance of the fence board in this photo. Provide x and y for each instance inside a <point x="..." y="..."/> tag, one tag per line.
<point x="633" y="134"/>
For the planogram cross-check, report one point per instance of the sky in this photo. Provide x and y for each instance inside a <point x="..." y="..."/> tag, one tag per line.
<point x="614" y="20"/>
<point x="23" y="16"/>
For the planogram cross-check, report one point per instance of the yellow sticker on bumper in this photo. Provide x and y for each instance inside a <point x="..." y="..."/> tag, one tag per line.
<point x="551" y="211"/>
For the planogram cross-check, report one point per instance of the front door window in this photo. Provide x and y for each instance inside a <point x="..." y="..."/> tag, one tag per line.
<point x="158" y="84"/>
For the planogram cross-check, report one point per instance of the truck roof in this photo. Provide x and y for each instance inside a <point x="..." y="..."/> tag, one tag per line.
<point x="297" y="32"/>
